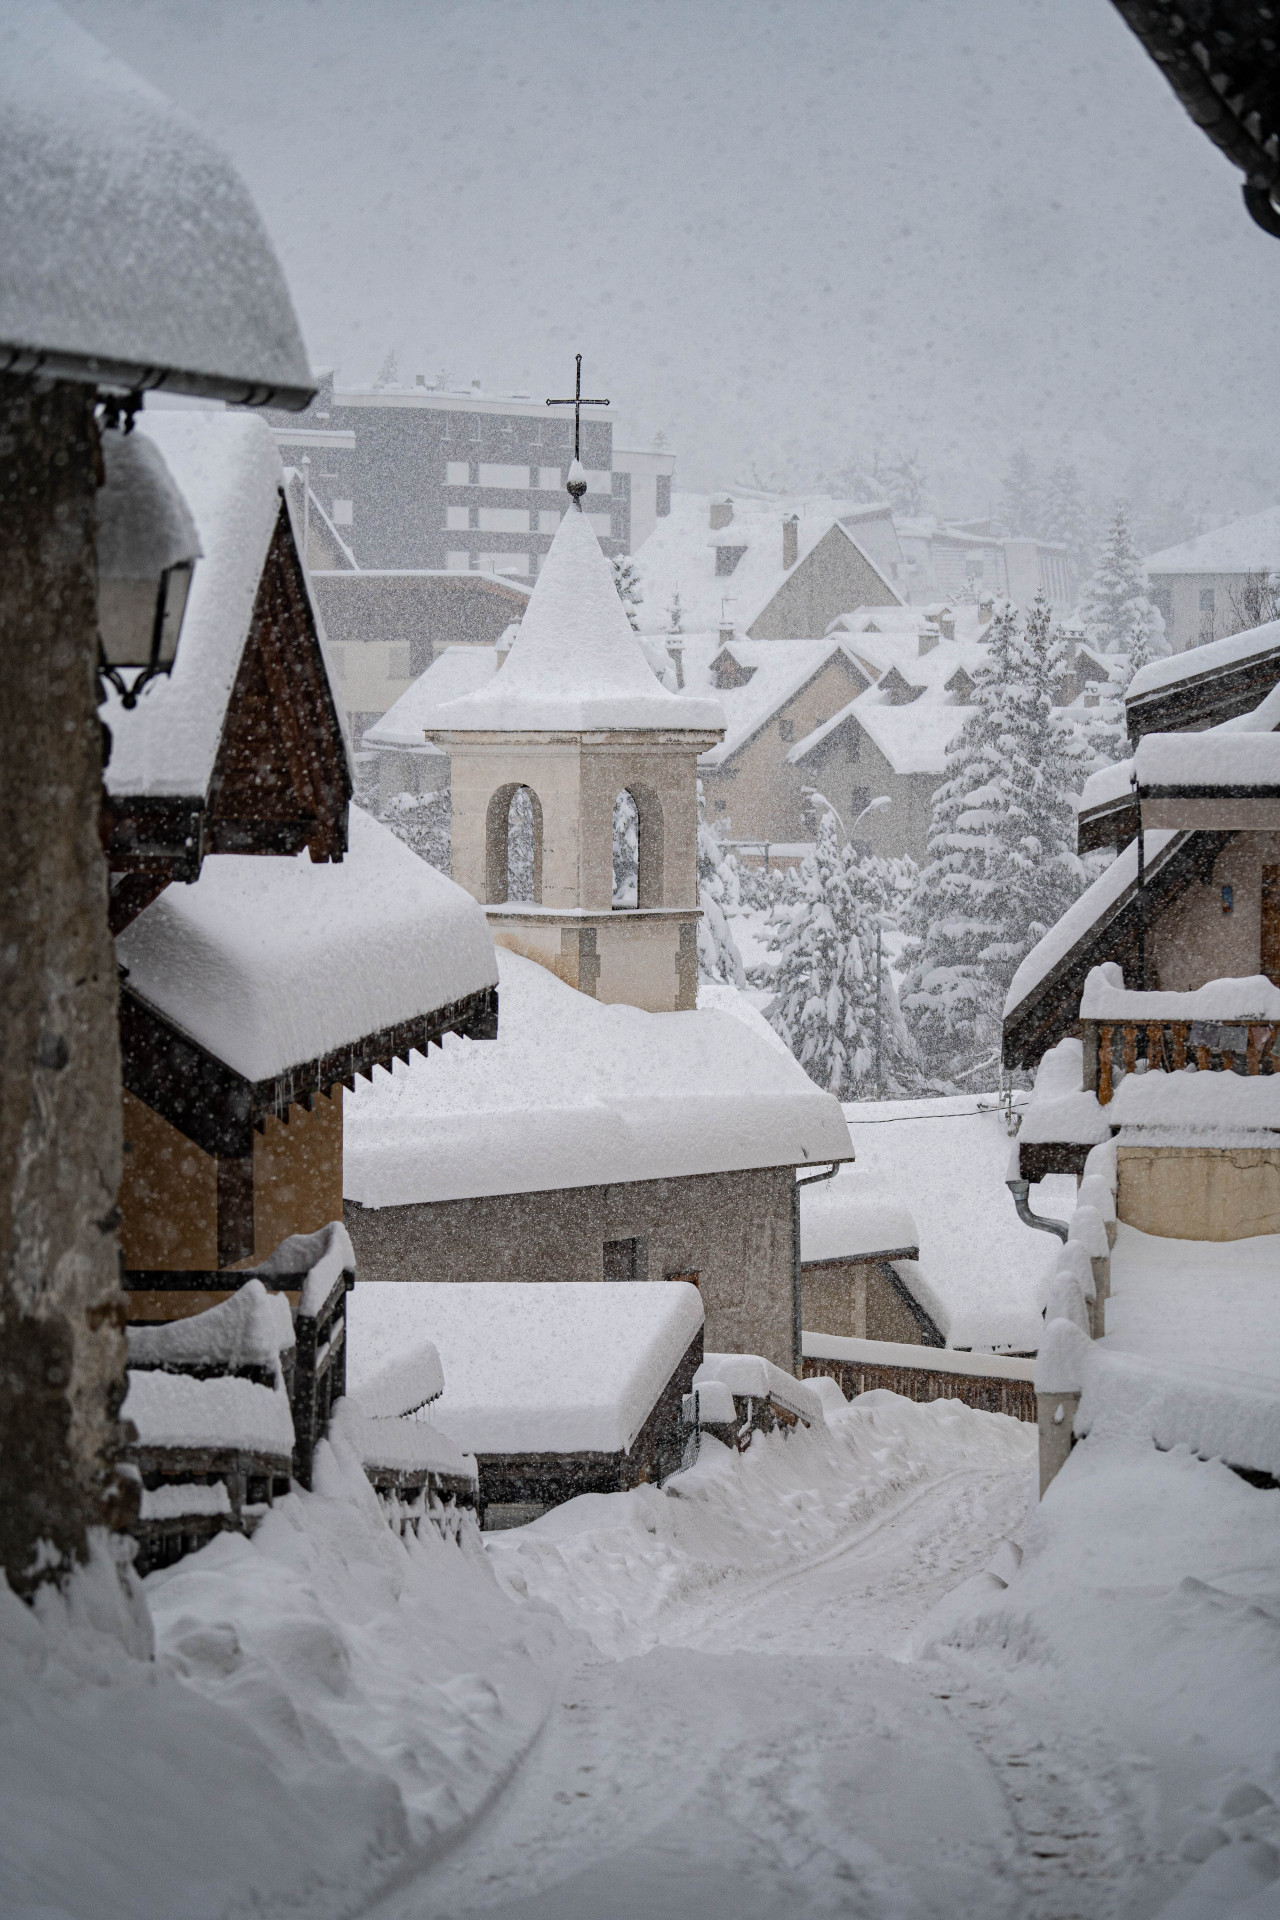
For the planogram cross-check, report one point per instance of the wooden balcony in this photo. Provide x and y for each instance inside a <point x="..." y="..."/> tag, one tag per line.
<point x="1213" y="1046"/>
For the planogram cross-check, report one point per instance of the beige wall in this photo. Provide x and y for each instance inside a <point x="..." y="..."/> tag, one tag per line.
<point x="903" y="827"/>
<point x="639" y="959"/>
<point x="833" y="578"/>
<point x="732" y="1229"/>
<point x="1188" y="626"/>
<point x="855" y="1299"/>
<point x="1200" y="1193"/>
<point x="762" y="793"/>
<point x="1194" y="940"/>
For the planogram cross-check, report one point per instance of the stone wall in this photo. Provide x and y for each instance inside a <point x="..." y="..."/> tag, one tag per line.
<point x="731" y="1232"/>
<point x="862" y="1300"/>
<point x="61" y="1308"/>
<point x="1199" y="1193"/>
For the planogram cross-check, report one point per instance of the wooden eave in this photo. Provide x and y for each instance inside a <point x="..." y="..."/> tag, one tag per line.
<point x="280" y="779"/>
<point x="1114" y="824"/>
<point x="217" y="1108"/>
<point x="1204" y="699"/>
<point x="1053" y="1012"/>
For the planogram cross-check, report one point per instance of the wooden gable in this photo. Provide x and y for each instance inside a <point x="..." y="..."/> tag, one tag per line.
<point x="280" y="780"/>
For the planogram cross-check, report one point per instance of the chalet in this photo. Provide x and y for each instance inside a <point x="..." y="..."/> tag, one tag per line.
<point x="1216" y="585"/>
<point x="272" y="944"/>
<point x="554" y="1391"/>
<point x="1170" y="960"/>
<point x="859" y="1265"/>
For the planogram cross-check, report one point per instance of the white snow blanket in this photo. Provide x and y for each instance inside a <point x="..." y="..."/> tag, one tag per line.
<point x="1198" y="662"/>
<point x="749" y="1376"/>
<point x="1213" y="759"/>
<point x="1059" y="1107"/>
<point x="1105" y="997"/>
<point x="850" y="1217"/>
<point x="171" y="1410"/>
<point x="982" y="1274"/>
<point x="546" y="1367"/>
<point x="574" y="1093"/>
<point x="128" y="236"/>
<point x="252" y="1328"/>
<point x="896" y="1353"/>
<point x="401" y="1445"/>
<point x="227" y="467"/>
<point x="1197" y="1103"/>
<point x="575" y="663"/>
<point x="270" y="963"/>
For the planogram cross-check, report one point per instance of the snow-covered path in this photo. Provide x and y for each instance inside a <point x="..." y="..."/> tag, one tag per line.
<point x="774" y="1754"/>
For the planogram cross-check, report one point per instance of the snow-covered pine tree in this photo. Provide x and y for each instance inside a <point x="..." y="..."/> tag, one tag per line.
<point x="1065" y="517"/>
<point x="825" y="985"/>
<point x="903" y="482"/>
<point x="627" y="580"/>
<point x="1115" y="600"/>
<point x="675" y="614"/>
<point x="1021" y="500"/>
<point x="422" y="821"/>
<point x="718" y="889"/>
<point x="1001" y="865"/>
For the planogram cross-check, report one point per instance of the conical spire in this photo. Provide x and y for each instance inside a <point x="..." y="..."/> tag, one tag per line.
<point x="575" y="664"/>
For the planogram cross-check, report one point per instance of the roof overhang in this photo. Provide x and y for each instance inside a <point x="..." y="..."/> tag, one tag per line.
<point x="1205" y="699"/>
<point x="1200" y="809"/>
<point x="130" y="376"/>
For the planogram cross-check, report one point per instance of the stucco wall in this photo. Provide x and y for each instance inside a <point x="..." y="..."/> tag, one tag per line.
<point x="762" y="793"/>
<point x="1194" y="940"/>
<point x="857" y="1300"/>
<point x="1199" y="1193"/>
<point x="833" y="578"/>
<point x="732" y="1229"/>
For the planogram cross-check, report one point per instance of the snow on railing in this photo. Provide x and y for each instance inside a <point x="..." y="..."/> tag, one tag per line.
<point x="1229" y="1025"/>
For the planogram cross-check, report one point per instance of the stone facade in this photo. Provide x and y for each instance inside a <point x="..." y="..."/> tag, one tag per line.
<point x="863" y="1300"/>
<point x="61" y="1309"/>
<point x="730" y="1232"/>
<point x="1200" y="1193"/>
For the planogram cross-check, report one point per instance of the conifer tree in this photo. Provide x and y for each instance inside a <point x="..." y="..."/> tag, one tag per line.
<point x="827" y="998"/>
<point x="1021" y="504"/>
<point x="1065" y="517"/>
<point x="1116" y="600"/>
<point x="627" y="580"/>
<point x="718" y="955"/>
<point x="675" y="615"/>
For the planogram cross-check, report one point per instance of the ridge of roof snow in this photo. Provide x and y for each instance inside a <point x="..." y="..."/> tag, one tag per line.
<point x="114" y="199"/>
<point x="1206" y="659"/>
<point x="456" y="671"/>
<point x="227" y="467"/>
<point x="576" y="1093"/>
<point x="779" y="670"/>
<point x="1251" y="545"/>
<point x="575" y="664"/>
<point x="269" y="962"/>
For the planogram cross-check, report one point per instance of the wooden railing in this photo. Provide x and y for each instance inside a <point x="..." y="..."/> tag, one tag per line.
<point x="1214" y="1046"/>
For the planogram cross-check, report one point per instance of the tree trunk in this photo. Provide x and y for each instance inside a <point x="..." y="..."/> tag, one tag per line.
<point x="61" y="1305"/>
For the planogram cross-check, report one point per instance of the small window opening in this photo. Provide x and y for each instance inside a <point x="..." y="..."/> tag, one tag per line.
<point x="520" y="846"/>
<point x="626" y="1260"/>
<point x="626" y="851"/>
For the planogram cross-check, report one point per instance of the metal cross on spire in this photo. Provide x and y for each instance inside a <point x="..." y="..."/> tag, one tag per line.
<point x="577" y="487"/>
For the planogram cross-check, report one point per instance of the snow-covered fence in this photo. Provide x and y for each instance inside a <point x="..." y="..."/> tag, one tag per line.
<point x="991" y="1382"/>
<point x="1228" y="1025"/>
<point x="737" y="1394"/>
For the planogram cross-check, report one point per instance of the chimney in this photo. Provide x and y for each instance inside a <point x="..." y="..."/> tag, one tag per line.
<point x="675" y="654"/>
<point x="929" y="638"/>
<point x="721" y="512"/>
<point x="790" y="541"/>
<point x="726" y="636"/>
<point x="947" y="624"/>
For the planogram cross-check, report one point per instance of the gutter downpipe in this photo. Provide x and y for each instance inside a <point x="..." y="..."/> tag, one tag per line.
<point x="1020" y="1189"/>
<point x="797" y="1343"/>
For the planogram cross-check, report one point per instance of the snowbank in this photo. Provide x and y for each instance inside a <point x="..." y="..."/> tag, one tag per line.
<point x="128" y="236"/>
<point x="252" y="1328"/>
<point x="748" y="1376"/>
<point x="173" y="1410"/>
<point x="1210" y="760"/>
<point x="227" y="467"/>
<point x="271" y="963"/>
<point x="575" y="663"/>
<point x="1106" y="997"/>
<point x="574" y="1093"/>
<point x="1059" y="1107"/>
<point x="548" y="1367"/>
<point x="984" y="1272"/>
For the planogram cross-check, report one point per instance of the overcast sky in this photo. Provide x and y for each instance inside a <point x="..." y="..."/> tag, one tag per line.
<point x="784" y="234"/>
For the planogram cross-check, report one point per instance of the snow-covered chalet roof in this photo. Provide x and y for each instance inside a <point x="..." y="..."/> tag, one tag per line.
<point x="227" y="467"/>
<point x="1249" y="997"/>
<point x="272" y="962"/>
<point x="130" y="251"/>
<point x="680" y="554"/>
<point x="779" y="670"/>
<point x="1215" y="759"/>
<point x="573" y="1093"/>
<point x="850" y="1217"/>
<point x="553" y="1366"/>
<point x="456" y="671"/>
<point x="1251" y="545"/>
<point x="1210" y="658"/>
<point x="575" y="664"/>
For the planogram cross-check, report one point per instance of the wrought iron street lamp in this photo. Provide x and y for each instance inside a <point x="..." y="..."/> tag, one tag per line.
<point x="147" y="549"/>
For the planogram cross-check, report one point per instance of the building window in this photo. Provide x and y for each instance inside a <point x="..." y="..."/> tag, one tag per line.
<point x="341" y="515"/>
<point x="457" y="519"/>
<point x="398" y="663"/>
<point x="1162" y="601"/>
<point x="457" y="473"/>
<point x="689" y="1275"/>
<point x="626" y="1260"/>
<point x="662" y="495"/>
<point x="601" y="525"/>
<point x="548" y="521"/>
<point x="491" y="476"/>
<point x="1206" y="600"/>
<point x="457" y="562"/>
<point x="504" y="519"/>
<point x="599" y="480"/>
<point x="549" y="478"/>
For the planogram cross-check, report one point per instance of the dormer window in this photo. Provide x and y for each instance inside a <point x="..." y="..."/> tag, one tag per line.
<point x="727" y="558"/>
<point x="899" y="692"/>
<point x="728" y="672"/>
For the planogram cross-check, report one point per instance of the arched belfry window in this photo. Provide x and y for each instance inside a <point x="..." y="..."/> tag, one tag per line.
<point x="513" y="846"/>
<point x="637" y="848"/>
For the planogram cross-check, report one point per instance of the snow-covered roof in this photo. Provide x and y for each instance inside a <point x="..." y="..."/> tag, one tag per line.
<point x="1060" y="1107"/>
<point x="573" y="1093"/>
<point x="575" y="664"/>
<point x="273" y="962"/>
<point x="1105" y="997"/>
<point x="779" y="670"/>
<point x="679" y="556"/>
<point x="1109" y="784"/>
<point x="1251" y="545"/>
<point x="130" y="250"/>
<point x="913" y="738"/>
<point x="1093" y="904"/>
<point x="556" y="1366"/>
<point x="456" y="671"/>
<point x="1216" y="758"/>
<point x="227" y="467"/>
<point x="850" y="1217"/>
<point x="1209" y="658"/>
<point x="250" y="1328"/>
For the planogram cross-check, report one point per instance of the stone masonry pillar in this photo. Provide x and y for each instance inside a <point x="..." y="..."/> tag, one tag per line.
<point x="61" y="1307"/>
